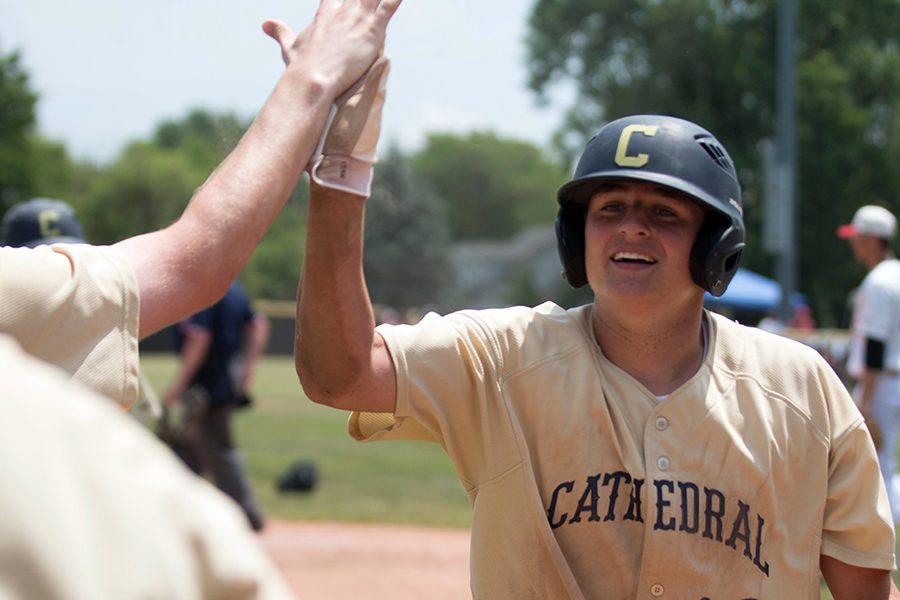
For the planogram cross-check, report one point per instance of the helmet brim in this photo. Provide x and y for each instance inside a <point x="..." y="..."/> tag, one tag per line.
<point x="581" y="190"/>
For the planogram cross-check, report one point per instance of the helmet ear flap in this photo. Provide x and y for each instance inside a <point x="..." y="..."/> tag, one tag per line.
<point x="716" y="254"/>
<point x="570" y="243"/>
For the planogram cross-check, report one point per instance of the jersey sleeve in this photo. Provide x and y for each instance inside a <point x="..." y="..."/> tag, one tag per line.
<point x="447" y="392"/>
<point x="75" y="306"/>
<point x="855" y="529"/>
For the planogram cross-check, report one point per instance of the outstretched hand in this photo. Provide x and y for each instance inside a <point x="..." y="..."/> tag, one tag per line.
<point x="343" y="40"/>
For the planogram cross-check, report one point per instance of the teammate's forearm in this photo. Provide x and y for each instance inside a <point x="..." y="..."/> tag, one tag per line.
<point x="242" y="197"/>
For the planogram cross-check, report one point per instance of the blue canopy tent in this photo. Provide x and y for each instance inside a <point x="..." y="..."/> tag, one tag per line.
<point x="751" y="293"/>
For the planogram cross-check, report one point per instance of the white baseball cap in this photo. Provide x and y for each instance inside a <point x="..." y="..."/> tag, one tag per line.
<point x="870" y="220"/>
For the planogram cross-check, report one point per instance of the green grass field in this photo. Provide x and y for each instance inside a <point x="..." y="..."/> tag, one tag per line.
<point x="386" y="482"/>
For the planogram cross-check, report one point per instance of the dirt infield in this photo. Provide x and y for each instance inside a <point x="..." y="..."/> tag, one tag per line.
<point x="338" y="561"/>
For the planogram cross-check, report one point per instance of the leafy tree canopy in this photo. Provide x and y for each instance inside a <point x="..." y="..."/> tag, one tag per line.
<point x="18" y="142"/>
<point x="144" y="189"/>
<point x="406" y="238"/>
<point x="713" y="62"/>
<point x="205" y="138"/>
<point x="492" y="187"/>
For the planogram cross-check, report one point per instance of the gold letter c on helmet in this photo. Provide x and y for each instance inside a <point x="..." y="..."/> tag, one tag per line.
<point x="48" y="221"/>
<point x="639" y="160"/>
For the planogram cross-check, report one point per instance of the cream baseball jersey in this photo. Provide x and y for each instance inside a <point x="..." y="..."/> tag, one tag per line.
<point x="75" y="306"/>
<point x="584" y="485"/>
<point x="95" y="507"/>
<point x="876" y="314"/>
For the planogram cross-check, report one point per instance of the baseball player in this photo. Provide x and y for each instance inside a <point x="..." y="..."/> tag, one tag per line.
<point x="874" y="358"/>
<point x="83" y="308"/>
<point x="219" y="348"/>
<point x="635" y="447"/>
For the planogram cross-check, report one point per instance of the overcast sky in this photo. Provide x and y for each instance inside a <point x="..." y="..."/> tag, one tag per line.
<point x="108" y="71"/>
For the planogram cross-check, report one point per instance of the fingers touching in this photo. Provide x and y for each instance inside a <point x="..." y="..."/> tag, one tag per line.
<point x="340" y="44"/>
<point x="383" y="8"/>
<point x="387" y="8"/>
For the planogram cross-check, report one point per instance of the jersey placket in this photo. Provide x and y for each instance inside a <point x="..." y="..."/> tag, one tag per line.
<point x="659" y="443"/>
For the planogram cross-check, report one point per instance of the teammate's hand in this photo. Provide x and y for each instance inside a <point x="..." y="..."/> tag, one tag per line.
<point x="343" y="40"/>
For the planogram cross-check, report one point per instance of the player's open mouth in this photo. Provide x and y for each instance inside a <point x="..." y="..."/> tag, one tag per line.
<point x="632" y="257"/>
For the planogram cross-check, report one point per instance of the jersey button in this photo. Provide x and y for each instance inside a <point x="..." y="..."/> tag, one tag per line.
<point x="661" y="423"/>
<point x="657" y="590"/>
<point x="663" y="463"/>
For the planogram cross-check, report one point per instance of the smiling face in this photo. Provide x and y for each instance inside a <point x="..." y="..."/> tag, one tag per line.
<point x="638" y="240"/>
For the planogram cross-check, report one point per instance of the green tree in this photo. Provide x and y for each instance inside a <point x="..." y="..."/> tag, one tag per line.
<point x="149" y="184"/>
<point x="492" y="187"/>
<point x="406" y="238"/>
<point x="55" y="173"/>
<point x="713" y="62"/>
<point x="203" y="137"/>
<point x="274" y="269"/>
<point x="30" y="164"/>
<point x="144" y="189"/>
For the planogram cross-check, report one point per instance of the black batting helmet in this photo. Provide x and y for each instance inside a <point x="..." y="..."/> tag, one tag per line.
<point x="40" y="221"/>
<point x="671" y="152"/>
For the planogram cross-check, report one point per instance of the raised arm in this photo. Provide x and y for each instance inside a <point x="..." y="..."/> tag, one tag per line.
<point x="190" y="264"/>
<point x="340" y="359"/>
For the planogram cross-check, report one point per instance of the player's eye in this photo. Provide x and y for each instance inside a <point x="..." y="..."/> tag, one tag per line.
<point x="665" y="211"/>
<point x="611" y="206"/>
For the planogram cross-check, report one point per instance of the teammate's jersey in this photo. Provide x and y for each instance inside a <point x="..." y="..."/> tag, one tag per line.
<point x="95" y="507"/>
<point x="77" y="307"/>
<point x="876" y="314"/>
<point x="583" y="485"/>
